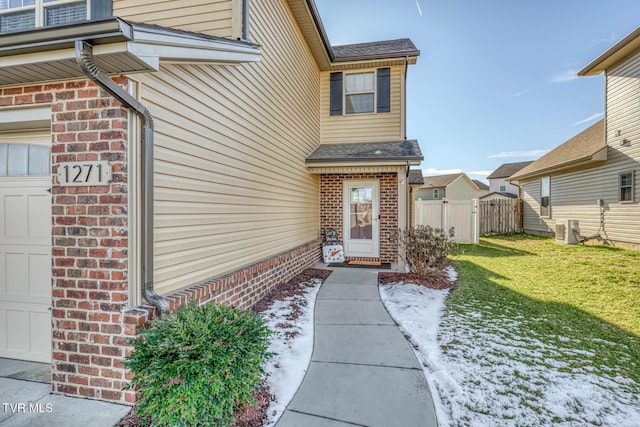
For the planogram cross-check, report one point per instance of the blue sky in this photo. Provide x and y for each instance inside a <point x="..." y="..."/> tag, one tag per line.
<point x="496" y="80"/>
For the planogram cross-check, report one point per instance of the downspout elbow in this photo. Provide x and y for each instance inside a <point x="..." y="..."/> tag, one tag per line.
<point x="84" y="57"/>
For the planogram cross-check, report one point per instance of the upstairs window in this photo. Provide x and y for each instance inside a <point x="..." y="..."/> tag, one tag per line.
<point x="360" y="93"/>
<point x="436" y="194"/>
<point x="21" y="15"/>
<point x="503" y="185"/>
<point x="626" y="187"/>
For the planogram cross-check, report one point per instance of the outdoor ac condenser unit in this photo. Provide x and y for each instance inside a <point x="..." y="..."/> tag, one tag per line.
<point x="567" y="231"/>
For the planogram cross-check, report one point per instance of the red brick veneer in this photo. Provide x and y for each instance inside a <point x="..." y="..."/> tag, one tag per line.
<point x="92" y="321"/>
<point x="331" y="203"/>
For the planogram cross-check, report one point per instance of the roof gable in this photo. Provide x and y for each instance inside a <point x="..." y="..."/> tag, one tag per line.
<point x="306" y="15"/>
<point x="615" y="54"/>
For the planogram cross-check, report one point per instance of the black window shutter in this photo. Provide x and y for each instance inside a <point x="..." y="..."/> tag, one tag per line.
<point x="384" y="90"/>
<point x="335" y="94"/>
<point x="101" y="9"/>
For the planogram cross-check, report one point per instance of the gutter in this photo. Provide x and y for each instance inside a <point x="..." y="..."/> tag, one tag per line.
<point x="84" y="57"/>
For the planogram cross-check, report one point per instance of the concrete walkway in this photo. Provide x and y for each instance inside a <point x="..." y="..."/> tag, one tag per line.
<point x="26" y="401"/>
<point x="362" y="370"/>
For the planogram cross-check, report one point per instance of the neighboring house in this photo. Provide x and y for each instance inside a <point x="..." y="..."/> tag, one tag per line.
<point x="587" y="188"/>
<point x="499" y="185"/>
<point x="453" y="187"/>
<point x="415" y="181"/>
<point x="481" y="185"/>
<point x="229" y="135"/>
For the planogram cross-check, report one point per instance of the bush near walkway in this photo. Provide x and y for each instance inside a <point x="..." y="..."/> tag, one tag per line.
<point x="195" y="366"/>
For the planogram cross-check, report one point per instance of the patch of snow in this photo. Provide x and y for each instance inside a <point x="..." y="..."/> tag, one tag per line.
<point x="292" y="345"/>
<point x="493" y="373"/>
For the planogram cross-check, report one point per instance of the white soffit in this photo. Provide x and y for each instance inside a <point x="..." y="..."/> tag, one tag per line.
<point x="143" y="53"/>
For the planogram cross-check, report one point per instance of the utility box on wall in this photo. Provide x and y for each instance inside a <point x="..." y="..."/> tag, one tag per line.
<point x="568" y="231"/>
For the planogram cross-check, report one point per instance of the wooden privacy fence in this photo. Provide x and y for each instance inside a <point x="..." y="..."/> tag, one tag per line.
<point x="500" y="216"/>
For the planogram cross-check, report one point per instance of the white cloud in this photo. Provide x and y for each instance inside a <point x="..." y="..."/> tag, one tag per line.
<point x="419" y="8"/>
<point x="525" y="153"/>
<point x="434" y="171"/>
<point x="565" y="76"/>
<point x="588" y="119"/>
<point x="517" y="94"/>
<point x="482" y="174"/>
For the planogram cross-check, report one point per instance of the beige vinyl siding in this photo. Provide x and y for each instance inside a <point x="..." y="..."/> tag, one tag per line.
<point x="231" y="183"/>
<point x="212" y="17"/>
<point x="460" y="189"/>
<point x="364" y="127"/>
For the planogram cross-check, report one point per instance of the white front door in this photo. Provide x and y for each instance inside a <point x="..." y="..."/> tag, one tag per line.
<point x="361" y="221"/>
<point x="25" y="253"/>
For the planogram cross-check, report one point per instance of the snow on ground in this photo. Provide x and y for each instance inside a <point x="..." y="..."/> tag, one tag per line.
<point x="292" y="345"/>
<point x="500" y="375"/>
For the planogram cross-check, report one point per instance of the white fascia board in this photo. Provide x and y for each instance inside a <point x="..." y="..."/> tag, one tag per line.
<point x="176" y="49"/>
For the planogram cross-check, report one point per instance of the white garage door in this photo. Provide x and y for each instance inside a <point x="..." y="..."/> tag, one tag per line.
<point x="25" y="249"/>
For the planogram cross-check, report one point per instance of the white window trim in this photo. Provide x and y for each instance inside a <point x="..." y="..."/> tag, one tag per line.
<point x="374" y="92"/>
<point x="633" y="187"/>
<point x="502" y="183"/>
<point x="436" y="194"/>
<point x="40" y="6"/>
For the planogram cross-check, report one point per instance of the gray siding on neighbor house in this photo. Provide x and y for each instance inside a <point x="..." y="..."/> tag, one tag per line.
<point x="427" y="194"/>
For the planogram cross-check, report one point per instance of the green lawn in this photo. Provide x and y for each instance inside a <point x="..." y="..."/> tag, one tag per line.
<point x="583" y="297"/>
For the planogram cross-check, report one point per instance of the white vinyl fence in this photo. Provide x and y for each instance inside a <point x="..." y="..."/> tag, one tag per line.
<point x="462" y="215"/>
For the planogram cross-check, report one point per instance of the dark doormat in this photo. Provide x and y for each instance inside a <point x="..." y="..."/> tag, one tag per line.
<point x="382" y="266"/>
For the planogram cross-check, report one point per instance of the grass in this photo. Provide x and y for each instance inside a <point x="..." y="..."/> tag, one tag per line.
<point x="581" y="302"/>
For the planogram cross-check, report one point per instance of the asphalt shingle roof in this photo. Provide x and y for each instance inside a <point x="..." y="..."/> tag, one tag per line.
<point x="380" y="49"/>
<point x="363" y="151"/>
<point x="481" y="185"/>
<point x="580" y="148"/>
<point x="415" y="177"/>
<point x="440" y="181"/>
<point x="507" y="169"/>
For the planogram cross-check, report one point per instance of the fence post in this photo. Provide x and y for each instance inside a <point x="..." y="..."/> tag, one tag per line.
<point x="475" y="217"/>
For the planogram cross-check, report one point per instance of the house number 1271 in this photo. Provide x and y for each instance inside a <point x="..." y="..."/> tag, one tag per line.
<point x="84" y="173"/>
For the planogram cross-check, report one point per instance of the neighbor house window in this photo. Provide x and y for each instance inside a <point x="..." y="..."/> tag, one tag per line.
<point x="360" y="93"/>
<point x="436" y="194"/>
<point x="626" y="187"/>
<point x="20" y="15"/>
<point x="503" y="185"/>
<point x="545" y="191"/>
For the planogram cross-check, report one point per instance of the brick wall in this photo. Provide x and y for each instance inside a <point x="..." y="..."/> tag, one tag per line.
<point x="331" y="211"/>
<point x="92" y="322"/>
<point x="89" y="233"/>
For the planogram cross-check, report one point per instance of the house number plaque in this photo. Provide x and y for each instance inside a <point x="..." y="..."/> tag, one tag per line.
<point x="72" y="174"/>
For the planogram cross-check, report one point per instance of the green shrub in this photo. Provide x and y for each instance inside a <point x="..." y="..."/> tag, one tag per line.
<point x="425" y="248"/>
<point x="194" y="366"/>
